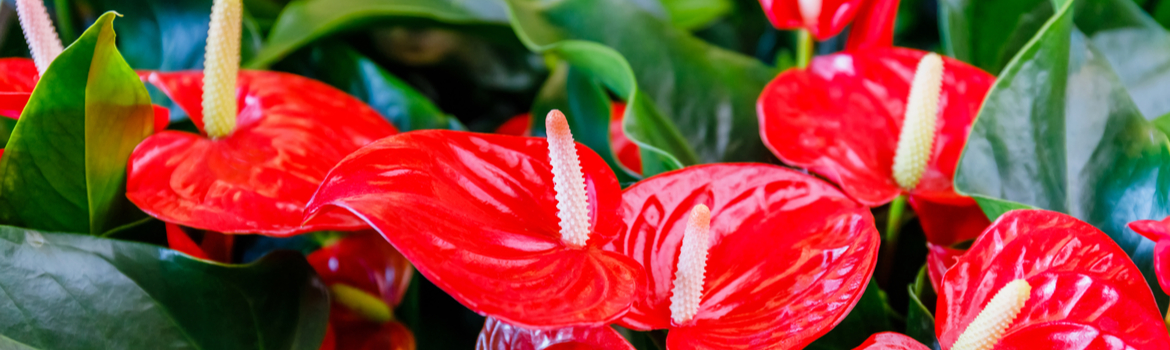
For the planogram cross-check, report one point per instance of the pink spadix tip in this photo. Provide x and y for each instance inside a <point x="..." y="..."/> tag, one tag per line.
<point x="692" y="266"/>
<point x="568" y="181"/>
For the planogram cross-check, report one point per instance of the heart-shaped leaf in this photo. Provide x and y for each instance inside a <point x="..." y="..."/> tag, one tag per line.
<point x="707" y="92"/>
<point x="1137" y="48"/>
<point x="303" y="21"/>
<point x="65" y="291"/>
<point x="1058" y="131"/>
<point x="64" y="167"/>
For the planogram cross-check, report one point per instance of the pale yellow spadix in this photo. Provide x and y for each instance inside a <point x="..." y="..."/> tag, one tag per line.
<point x="220" y="67"/>
<point x="916" y="140"/>
<point x="692" y="266"/>
<point x="568" y="181"/>
<point x="988" y="327"/>
<point x="43" y="43"/>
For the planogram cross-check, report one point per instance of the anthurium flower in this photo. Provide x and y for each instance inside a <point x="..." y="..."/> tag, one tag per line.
<point x="512" y="227"/>
<point x="1159" y="232"/>
<point x="497" y="335"/>
<point x="882" y="123"/>
<point x="1038" y="278"/>
<point x="823" y="19"/>
<point x="345" y="334"/>
<point x="267" y="139"/>
<point x="744" y="256"/>
<point x="891" y="341"/>
<point x="626" y="151"/>
<point x="365" y="274"/>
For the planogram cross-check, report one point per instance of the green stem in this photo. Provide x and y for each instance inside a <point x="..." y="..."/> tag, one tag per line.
<point x="894" y="219"/>
<point x="804" y="48"/>
<point x="64" y="21"/>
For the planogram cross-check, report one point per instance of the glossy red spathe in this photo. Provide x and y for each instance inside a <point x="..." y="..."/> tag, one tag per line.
<point x="361" y="335"/>
<point x="363" y="260"/>
<point x="18" y="77"/>
<point x="290" y="131"/>
<point x="627" y="151"/>
<point x="1086" y="293"/>
<point x="476" y="214"/>
<point x="831" y="16"/>
<point x="891" y="341"/>
<point x="1159" y="232"/>
<point x="841" y="118"/>
<point x="789" y="254"/>
<point x="498" y="335"/>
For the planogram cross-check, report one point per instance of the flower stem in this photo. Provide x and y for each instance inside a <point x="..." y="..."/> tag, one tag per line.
<point x="804" y="48"/>
<point x="894" y="219"/>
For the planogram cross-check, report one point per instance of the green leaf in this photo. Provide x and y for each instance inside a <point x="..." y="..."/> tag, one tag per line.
<point x="65" y="291"/>
<point x="707" y="92"/>
<point x="987" y="33"/>
<point x="337" y="64"/>
<point x="6" y="126"/>
<point x="695" y="14"/>
<point x="868" y="317"/>
<point x="64" y="168"/>
<point x="1059" y="132"/>
<point x="303" y="21"/>
<point x="993" y="207"/>
<point x="919" y="319"/>
<point x="1137" y="48"/>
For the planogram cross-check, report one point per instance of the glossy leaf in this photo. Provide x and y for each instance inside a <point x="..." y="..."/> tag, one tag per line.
<point x="258" y="179"/>
<point x="66" y="291"/>
<point x="891" y="341"/>
<point x="476" y="214"/>
<point x="339" y="65"/>
<point x="833" y="16"/>
<point x="1086" y="293"/>
<point x="1136" y="47"/>
<point x="706" y="92"/>
<point x="779" y="239"/>
<point x="497" y="335"/>
<point x="64" y="165"/>
<point x="1059" y="132"/>
<point x="365" y="261"/>
<point x="303" y="21"/>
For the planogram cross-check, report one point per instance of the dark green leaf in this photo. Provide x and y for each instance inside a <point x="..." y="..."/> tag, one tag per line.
<point x="166" y="35"/>
<point x="987" y="33"/>
<point x="6" y="126"/>
<point x="303" y="21"/>
<point x="868" y="317"/>
<point x="919" y="319"/>
<point x="993" y="207"/>
<point x="1058" y="131"/>
<point x="64" y="168"/>
<point x="339" y="65"/>
<point x="708" y="92"/>
<point x="65" y="291"/>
